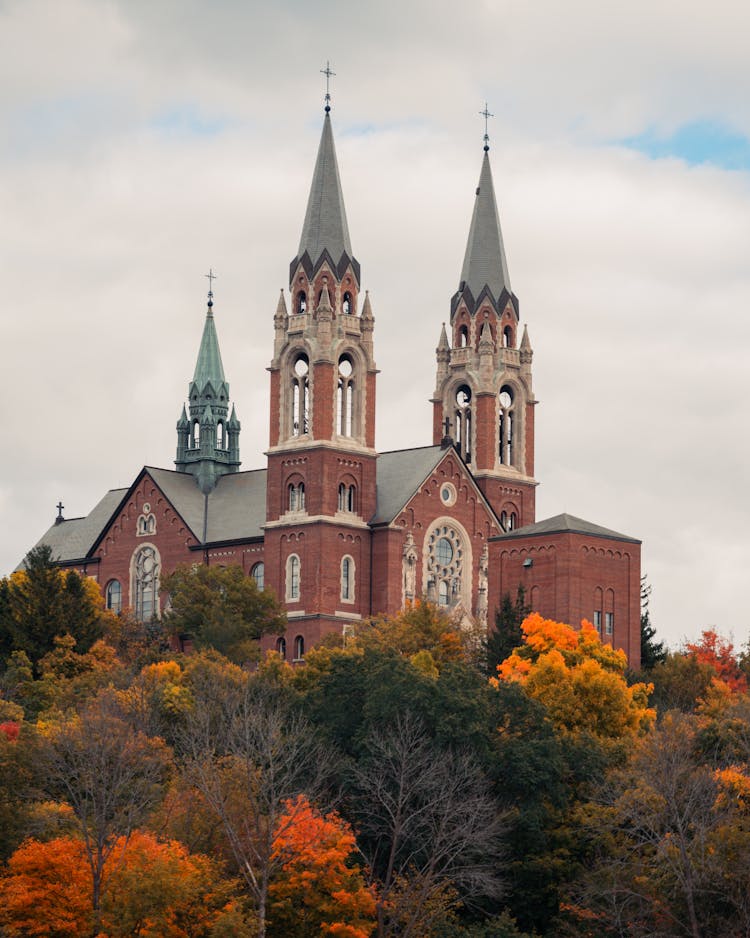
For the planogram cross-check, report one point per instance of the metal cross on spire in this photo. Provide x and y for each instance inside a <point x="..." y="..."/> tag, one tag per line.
<point x="486" y="115"/>
<point x="329" y="73"/>
<point x="211" y="277"/>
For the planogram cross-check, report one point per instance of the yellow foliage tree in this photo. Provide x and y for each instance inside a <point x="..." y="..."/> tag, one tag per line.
<point x="580" y="681"/>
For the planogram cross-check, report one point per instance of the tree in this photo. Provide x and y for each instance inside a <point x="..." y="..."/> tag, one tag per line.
<point x="680" y="681"/>
<point x="652" y="652"/>
<point x="111" y="776"/>
<point x="42" y="601"/>
<point x="579" y="680"/>
<point x="507" y="634"/>
<point x="718" y="652"/>
<point x="430" y="830"/>
<point x="247" y="752"/>
<point x="319" y="888"/>
<point x="221" y="608"/>
<point x="154" y="890"/>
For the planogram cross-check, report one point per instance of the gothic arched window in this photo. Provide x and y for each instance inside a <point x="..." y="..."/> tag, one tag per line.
<point x="301" y="396"/>
<point x="506" y="441"/>
<point x="258" y="573"/>
<point x="463" y="422"/>
<point x="299" y="648"/>
<point x="445" y="563"/>
<point x="347" y="579"/>
<point x="113" y="596"/>
<point x="347" y="497"/>
<point x="292" y="578"/>
<point x="346" y="305"/>
<point x="220" y="435"/>
<point x="297" y="496"/>
<point x="146" y="569"/>
<point x="463" y="336"/>
<point x="196" y="434"/>
<point x="345" y="402"/>
<point x="301" y="304"/>
<point x="281" y="648"/>
<point x="508" y="337"/>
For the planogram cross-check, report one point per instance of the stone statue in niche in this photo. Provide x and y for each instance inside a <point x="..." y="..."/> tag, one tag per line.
<point x="409" y="565"/>
<point x="484" y="562"/>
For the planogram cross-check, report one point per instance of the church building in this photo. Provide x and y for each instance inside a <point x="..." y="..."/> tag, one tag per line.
<point x="337" y="530"/>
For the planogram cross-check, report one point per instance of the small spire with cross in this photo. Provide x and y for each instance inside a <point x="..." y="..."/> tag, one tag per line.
<point x="211" y="277"/>
<point x="486" y="115"/>
<point x="329" y="73"/>
<point x="59" y="519"/>
<point x="447" y="438"/>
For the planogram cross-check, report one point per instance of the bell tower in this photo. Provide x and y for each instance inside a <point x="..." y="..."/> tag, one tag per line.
<point x="483" y="398"/>
<point x="321" y="456"/>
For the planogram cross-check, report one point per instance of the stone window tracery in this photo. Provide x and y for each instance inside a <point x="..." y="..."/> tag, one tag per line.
<point x="347" y="500"/>
<point x="506" y="450"/>
<point x="463" y="422"/>
<point x="345" y="401"/>
<point x="301" y="396"/>
<point x="146" y="569"/>
<point x="296" y="493"/>
<point x="146" y="523"/>
<point x="445" y="564"/>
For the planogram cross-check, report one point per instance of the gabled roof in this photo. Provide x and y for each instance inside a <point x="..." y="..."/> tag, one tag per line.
<point x="73" y="539"/>
<point x="562" y="524"/>
<point x="325" y="226"/>
<point x="183" y="494"/>
<point x="484" y="262"/>
<point x="399" y="475"/>
<point x="237" y="507"/>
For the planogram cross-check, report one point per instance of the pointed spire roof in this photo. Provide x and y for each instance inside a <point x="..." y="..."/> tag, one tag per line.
<point x="209" y="366"/>
<point x="325" y="226"/>
<point x="484" y="261"/>
<point x="443" y="343"/>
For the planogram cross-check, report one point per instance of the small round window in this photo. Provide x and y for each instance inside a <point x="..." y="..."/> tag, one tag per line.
<point x="301" y="366"/>
<point x="463" y="396"/>
<point x="447" y="494"/>
<point x="345" y="366"/>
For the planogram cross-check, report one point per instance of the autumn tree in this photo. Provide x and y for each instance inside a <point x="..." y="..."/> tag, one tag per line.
<point x="248" y="752"/>
<point x="154" y="890"/>
<point x="579" y="680"/>
<point x="41" y="602"/>
<point x="431" y="831"/>
<point x="507" y="633"/>
<point x="111" y="776"/>
<point x="319" y="888"/>
<point x="719" y="654"/>
<point x="221" y="608"/>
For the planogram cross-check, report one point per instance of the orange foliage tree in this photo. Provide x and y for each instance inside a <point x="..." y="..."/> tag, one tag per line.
<point x="579" y="680"/>
<point x="318" y="889"/>
<point x="718" y="652"/>
<point x="153" y="890"/>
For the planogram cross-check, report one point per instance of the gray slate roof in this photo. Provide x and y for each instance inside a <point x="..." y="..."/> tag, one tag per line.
<point x="565" y="523"/>
<point x="237" y="506"/>
<point x="325" y="226"/>
<point x="399" y="474"/>
<point x="208" y="367"/>
<point x="484" y="261"/>
<point x="73" y="539"/>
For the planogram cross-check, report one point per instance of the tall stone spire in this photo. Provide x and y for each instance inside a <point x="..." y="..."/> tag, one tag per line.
<point x="207" y="439"/>
<point x="484" y="264"/>
<point x="325" y="228"/>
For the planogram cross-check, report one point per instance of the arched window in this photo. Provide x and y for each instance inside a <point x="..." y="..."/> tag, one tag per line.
<point x="446" y="563"/>
<point x="463" y="422"/>
<point x="113" y="596"/>
<point x="301" y="304"/>
<point x="301" y="396"/>
<point x="196" y="434"/>
<point x="220" y="435"/>
<point x="258" y="573"/>
<point x="347" y="497"/>
<point x="347" y="579"/>
<point x="281" y="648"/>
<point x="146" y="568"/>
<point x="609" y="612"/>
<point x="345" y="402"/>
<point x="299" y="648"/>
<point x="292" y="578"/>
<point x="506" y="443"/>
<point x="463" y="336"/>
<point x="508" y="337"/>
<point x="598" y="603"/>
<point x="297" y="496"/>
<point x="346" y="305"/>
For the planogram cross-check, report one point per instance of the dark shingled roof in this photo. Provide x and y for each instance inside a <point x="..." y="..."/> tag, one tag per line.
<point x="560" y="524"/>
<point x="237" y="506"/>
<point x="399" y="474"/>
<point x="484" y="261"/>
<point x="73" y="539"/>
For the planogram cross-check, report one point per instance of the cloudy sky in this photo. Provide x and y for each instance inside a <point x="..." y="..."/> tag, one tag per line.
<point x="146" y="140"/>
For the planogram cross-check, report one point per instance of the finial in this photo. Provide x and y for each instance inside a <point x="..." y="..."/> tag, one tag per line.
<point x="329" y="73"/>
<point x="59" y="519"/>
<point x="486" y="115"/>
<point x="211" y="277"/>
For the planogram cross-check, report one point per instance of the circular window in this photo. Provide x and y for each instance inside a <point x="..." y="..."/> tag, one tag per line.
<point x="463" y="396"/>
<point x="345" y="367"/>
<point x="447" y="494"/>
<point x="301" y="366"/>
<point x="146" y="508"/>
<point x="506" y="398"/>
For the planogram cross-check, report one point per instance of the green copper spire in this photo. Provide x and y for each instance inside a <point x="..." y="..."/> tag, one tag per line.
<point x="207" y="438"/>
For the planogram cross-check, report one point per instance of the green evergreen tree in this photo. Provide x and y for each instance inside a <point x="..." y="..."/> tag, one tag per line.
<point x="652" y="652"/>
<point x="507" y="633"/>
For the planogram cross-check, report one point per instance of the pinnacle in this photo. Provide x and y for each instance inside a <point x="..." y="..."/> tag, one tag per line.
<point x="443" y="343"/>
<point x="484" y="262"/>
<point x="208" y="367"/>
<point x="281" y="307"/>
<point x="367" y="307"/>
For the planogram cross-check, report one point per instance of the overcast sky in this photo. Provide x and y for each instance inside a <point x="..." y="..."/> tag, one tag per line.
<point x="146" y="141"/>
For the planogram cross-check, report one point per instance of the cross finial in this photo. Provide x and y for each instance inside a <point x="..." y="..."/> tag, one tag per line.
<point x="59" y="517"/>
<point x="329" y="73"/>
<point x="211" y="277"/>
<point x="486" y="115"/>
